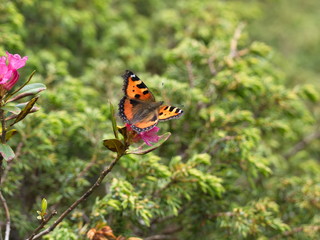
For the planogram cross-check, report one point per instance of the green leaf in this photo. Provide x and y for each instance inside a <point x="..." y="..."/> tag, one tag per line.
<point x="144" y="148"/>
<point x="16" y="91"/>
<point x="28" y="90"/>
<point x="13" y="109"/>
<point x="10" y="133"/>
<point x="6" y="152"/>
<point x="44" y="205"/>
<point x="25" y="111"/>
<point x="123" y="131"/>
<point x="114" y="145"/>
<point x="114" y="123"/>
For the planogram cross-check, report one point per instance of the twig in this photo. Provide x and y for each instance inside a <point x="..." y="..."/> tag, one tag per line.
<point x="302" y="144"/>
<point x="296" y="230"/>
<point x="103" y="174"/>
<point x="44" y="222"/>
<point x="234" y="41"/>
<point x="7" y="213"/>
<point x="190" y="73"/>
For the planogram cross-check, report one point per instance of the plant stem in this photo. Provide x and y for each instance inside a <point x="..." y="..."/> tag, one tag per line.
<point x="3" y="125"/>
<point x="44" y="222"/>
<point x="2" y="199"/>
<point x="103" y="174"/>
<point x="7" y="213"/>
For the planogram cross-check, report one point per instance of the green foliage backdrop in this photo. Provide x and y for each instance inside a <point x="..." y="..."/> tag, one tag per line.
<point x="243" y="161"/>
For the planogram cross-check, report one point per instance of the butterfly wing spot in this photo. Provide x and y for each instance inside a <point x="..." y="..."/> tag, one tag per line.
<point x="134" y="102"/>
<point x="169" y="112"/>
<point x="134" y="87"/>
<point x="154" y="118"/>
<point x="134" y="77"/>
<point x="141" y="85"/>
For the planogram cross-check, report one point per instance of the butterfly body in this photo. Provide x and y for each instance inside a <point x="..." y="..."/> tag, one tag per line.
<point x="139" y="107"/>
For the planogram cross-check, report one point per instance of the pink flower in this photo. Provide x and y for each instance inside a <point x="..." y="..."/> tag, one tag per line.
<point x="8" y="72"/>
<point x="15" y="61"/>
<point x="148" y="137"/>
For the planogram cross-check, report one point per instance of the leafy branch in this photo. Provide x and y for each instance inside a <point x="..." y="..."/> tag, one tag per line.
<point x="315" y="228"/>
<point x="102" y="175"/>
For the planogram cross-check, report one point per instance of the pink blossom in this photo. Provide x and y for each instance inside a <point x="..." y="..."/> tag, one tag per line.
<point x="148" y="136"/>
<point x="15" y="61"/>
<point x="8" y="69"/>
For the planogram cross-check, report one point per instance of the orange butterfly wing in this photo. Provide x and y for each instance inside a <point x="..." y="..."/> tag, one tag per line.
<point x="169" y="112"/>
<point x="126" y="110"/>
<point x="134" y="88"/>
<point x="139" y="108"/>
<point x="129" y="109"/>
<point x="147" y="123"/>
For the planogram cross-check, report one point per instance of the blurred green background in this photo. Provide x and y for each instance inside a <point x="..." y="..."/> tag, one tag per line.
<point x="243" y="161"/>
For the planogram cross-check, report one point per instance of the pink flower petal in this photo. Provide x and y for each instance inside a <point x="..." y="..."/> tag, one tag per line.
<point x="3" y="60"/>
<point x="5" y="73"/>
<point x="150" y="136"/>
<point x="9" y="84"/>
<point x="15" y="61"/>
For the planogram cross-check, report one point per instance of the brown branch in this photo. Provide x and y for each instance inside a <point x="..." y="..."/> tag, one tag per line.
<point x="103" y="174"/>
<point x="44" y="222"/>
<point x="302" y="144"/>
<point x="190" y="73"/>
<point x="7" y="213"/>
<point x="234" y="41"/>
<point x="293" y="231"/>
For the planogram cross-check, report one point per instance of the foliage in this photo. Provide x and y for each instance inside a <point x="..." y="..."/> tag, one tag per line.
<point x="242" y="163"/>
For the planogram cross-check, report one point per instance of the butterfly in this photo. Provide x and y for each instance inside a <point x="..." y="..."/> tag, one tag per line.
<point x="139" y="108"/>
